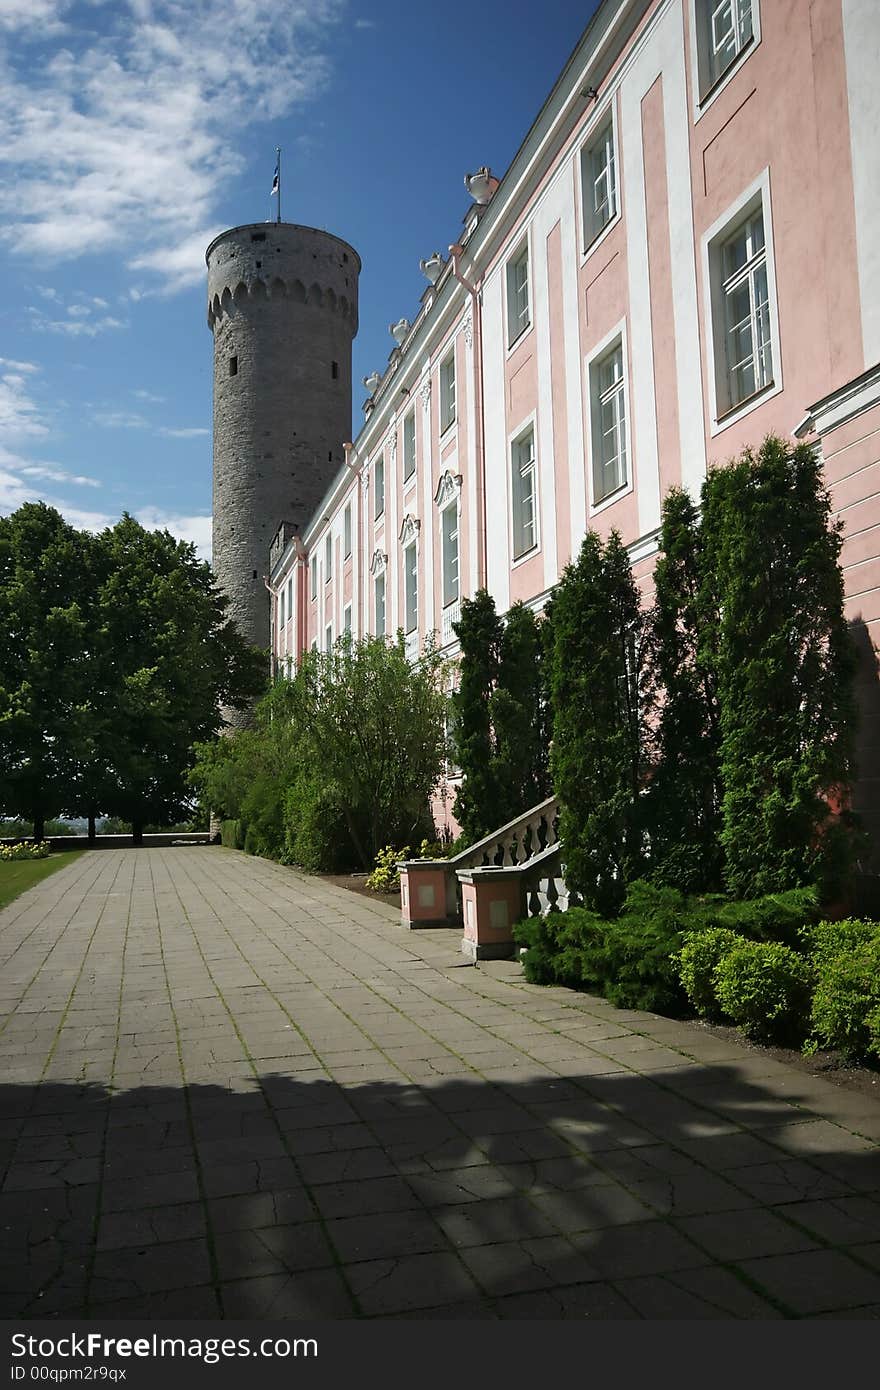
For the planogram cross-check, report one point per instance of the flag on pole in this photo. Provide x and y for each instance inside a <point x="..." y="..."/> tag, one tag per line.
<point x="275" y="182"/>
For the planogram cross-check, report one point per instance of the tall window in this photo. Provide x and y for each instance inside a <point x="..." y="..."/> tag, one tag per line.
<point x="290" y="598"/>
<point x="379" y="486"/>
<point x="724" y="29"/>
<point x="328" y="558"/>
<point x="518" y="309"/>
<point x="346" y="532"/>
<point x="314" y="576"/>
<point x="281" y="608"/>
<point x="447" y="392"/>
<point x="411" y="587"/>
<point x="449" y="539"/>
<point x="346" y="620"/>
<point x="409" y="445"/>
<point x="379" y="597"/>
<point x="328" y="638"/>
<point x="608" y="412"/>
<point x="523" y="493"/>
<point x="599" y="183"/>
<point x="741" y="264"/>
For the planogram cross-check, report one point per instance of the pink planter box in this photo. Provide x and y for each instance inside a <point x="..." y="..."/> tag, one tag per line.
<point x="492" y="900"/>
<point x="423" y="893"/>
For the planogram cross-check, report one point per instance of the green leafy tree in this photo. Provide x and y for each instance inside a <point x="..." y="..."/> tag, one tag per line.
<point x="371" y="727"/>
<point x="785" y="666"/>
<point x="599" y="699"/>
<point x="44" y="660"/>
<point x="169" y="659"/>
<point x="479" y="631"/>
<point x="518" y="716"/>
<point x="684" y="803"/>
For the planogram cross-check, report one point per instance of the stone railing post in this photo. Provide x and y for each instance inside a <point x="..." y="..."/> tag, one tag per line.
<point x="423" y="893"/>
<point x="492" y="900"/>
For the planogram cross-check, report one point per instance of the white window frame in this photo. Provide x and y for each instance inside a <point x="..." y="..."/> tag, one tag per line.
<point x="409" y="456"/>
<point x="450" y="510"/>
<point x="328" y="638"/>
<point x="519" y="304"/>
<point x="527" y="429"/>
<point x="379" y="491"/>
<point x="328" y="558"/>
<point x="753" y="198"/>
<point x="379" y="580"/>
<point x="346" y="619"/>
<point x="411" y="588"/>
<point x="591" y="234"/>
<point x="706" y="91"/>
<point x="346" y="532"/>
<point x="314" y="579"/>
<point x="617" y="337"/>
<point x="280" y="609"/>
<point x="290" y="598"/>
<point x="447" y="384"/>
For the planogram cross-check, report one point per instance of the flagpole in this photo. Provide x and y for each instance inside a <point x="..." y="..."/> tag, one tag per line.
<point x="278" y="153"/>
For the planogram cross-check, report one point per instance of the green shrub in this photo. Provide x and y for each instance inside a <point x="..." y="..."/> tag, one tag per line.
<point x="846" y="998"/>
<point x="631" y="960"/>
<point x="764" y="987"/>
<point x="385" y="877"/>
<point x="826" y="939"/>
<point x="232" y="834"/>
<point x="316" y="834"/>
<point x="697" y="962"/>
<point x="774" y="917"/>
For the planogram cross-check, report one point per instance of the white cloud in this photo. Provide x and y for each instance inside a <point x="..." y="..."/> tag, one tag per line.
<point x="192" y="432"/>
<point x="149" y="396"/>
<point x="79" y="325"/>
<point x="120" y="420"/>
<point x="196" y="529"/>
<point x="20" y="416"/>
<point x="41" y="471"/>
<point x="18" y="366"/>
<point x="143" y="109"/>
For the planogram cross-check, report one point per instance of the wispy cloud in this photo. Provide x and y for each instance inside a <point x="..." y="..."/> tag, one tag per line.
<point x="20" y="416"/>
<point x="11" y="365"/>
<point x="149" y="396"/>
<point x="39" y="471"/>
<point x="81" y="322"/>
<point x="140" y="101"/>
<point x="120" y="420"/>
<point x="192" y="432"/>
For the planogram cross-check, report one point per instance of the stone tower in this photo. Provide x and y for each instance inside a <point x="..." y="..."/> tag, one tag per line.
<point x="282" y="306"/>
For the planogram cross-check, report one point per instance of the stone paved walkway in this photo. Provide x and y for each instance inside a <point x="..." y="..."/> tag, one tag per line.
<point x="233" y="1091"/>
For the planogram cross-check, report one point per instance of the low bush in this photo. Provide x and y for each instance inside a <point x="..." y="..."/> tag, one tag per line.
<point x="631" y="959"/>
<point x="697" y="962"/>
<point x="764" y="987"/>
<point x="846" y="999"/>
<point x="385" y="877"/>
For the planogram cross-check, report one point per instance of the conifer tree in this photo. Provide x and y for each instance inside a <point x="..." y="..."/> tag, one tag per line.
<point x="597" y="692"/>
<point x="785" y="666"/>
<point x="684" y="803"/>
<point x="479" y="632"/>
<point x="518" y="717"/>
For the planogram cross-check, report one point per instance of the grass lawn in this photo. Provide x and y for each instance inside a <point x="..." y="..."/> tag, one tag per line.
<point x="15" y="877"/>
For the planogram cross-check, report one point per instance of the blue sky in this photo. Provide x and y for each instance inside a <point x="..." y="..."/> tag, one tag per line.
<point x="132" y="131"/>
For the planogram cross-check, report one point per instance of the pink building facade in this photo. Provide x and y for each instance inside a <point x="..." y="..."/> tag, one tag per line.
<point x="683" y="257"/>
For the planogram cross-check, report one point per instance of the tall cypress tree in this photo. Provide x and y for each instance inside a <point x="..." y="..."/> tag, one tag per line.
<point x="598" y="696"/>
<point x="684" y="803"/>
<point x="785" y="666"/>
<point x="517" y="711"/>
<point x="479" y="632"/>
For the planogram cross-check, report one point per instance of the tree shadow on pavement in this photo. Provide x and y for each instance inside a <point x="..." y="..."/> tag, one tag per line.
<point x="691" y="1192"/>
